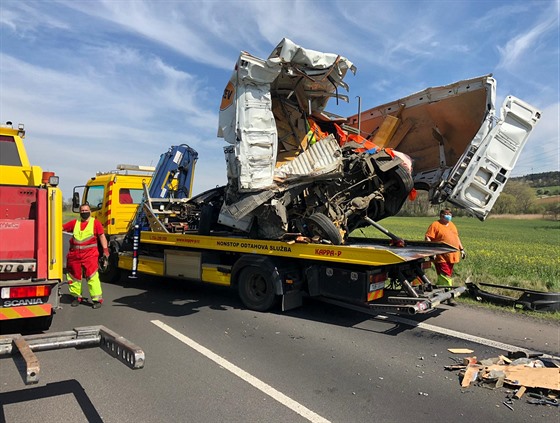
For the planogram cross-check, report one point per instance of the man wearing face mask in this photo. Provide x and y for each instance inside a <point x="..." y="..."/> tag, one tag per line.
<point x="82" y="260"/>
<point x="443" y="230"/>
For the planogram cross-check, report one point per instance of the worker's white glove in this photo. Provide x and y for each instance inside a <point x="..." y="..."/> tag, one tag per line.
<point x="463" y="255"/>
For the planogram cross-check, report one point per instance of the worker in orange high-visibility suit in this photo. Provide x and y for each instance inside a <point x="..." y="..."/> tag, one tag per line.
<point x="82" y="260"/>
<point x="443" y="230"/>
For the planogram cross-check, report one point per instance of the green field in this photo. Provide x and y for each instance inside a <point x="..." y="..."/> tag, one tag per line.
<point x="68" y="215"/>
<point x="520" y="253"/>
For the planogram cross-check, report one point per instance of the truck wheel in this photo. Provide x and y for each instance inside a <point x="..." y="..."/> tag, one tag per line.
<point x="398" y="193"/>
<point x="256" y="289"/>
<point x="320" y="225"/>
<point x="112" y="273"/>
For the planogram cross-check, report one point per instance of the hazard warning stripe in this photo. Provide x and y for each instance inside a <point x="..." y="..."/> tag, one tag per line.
<point x="108" y="204"/>
<point x="9" y="313"/>
<point x="375" y="295"/>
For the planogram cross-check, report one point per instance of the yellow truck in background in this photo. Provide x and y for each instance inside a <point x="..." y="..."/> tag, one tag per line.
<point x="113" y="197"/>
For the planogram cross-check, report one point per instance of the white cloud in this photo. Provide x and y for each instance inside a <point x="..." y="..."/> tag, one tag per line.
<point x="516" y="48"/>
<point x="181" y="27"/>
<point x="95" y="116"/>
<point x="24" y="19"/>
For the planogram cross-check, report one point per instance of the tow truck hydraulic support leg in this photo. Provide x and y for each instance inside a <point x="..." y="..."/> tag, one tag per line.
<point x="109" y="341"/>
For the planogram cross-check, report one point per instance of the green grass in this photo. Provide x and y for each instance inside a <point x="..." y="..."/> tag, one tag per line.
<point x="68" y="215"/>
<point x="513" y="252"/>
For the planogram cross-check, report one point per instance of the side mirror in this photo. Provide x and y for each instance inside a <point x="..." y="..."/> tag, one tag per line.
<point x="76" y="202"/>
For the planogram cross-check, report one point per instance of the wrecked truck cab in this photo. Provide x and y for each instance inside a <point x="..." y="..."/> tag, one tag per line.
<point x="291" y="167"/>
<point x="265" y="106"/>
<point x="294" y="168"/>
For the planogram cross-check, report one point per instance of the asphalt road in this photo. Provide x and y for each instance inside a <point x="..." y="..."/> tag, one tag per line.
<point x="210" y="360"/>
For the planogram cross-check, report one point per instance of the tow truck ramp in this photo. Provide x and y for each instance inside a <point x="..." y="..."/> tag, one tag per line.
<point x="86" y="336"/>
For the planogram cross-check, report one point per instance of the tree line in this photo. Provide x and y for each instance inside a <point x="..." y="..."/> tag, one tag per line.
<point x="518" y="197"/>
<point x="539" y="180"/>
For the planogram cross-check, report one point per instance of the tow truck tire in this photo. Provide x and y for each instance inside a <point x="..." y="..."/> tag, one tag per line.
<point x="112" y="274"/>
<point x="256" y="289"/>
<point x="320" y="225"/>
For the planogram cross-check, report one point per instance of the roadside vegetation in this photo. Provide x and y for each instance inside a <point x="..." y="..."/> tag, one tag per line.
<point x="68" y="215"/>
<point x="514" y="252"/>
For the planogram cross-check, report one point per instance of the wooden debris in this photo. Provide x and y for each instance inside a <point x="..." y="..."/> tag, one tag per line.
<point x="505" y="359"/>
<point x="471" y="374"/>
<point x="469" y="360"/>
<point x="460" y="350"/>
<point x="530" y="377"/>
<point x="520" y="392"/>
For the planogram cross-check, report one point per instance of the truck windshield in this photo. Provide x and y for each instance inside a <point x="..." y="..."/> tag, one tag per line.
<point x="9" y="155"/>
<point x="94" y="196"/>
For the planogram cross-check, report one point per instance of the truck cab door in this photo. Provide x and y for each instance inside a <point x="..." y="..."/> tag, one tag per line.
<point x="477" y="179"/>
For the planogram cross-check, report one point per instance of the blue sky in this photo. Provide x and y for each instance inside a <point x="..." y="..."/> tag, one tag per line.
<point x="98" y="83"/>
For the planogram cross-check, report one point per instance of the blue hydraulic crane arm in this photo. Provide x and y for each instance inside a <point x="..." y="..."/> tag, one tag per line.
<point x="173" y="177"/>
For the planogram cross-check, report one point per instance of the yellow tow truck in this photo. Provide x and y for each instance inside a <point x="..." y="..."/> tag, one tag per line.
<point x="31" y="264"/>
<point x="178" y="236"/>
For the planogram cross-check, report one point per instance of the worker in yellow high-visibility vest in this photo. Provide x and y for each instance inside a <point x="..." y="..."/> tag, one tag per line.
<point x="82" y="260"/>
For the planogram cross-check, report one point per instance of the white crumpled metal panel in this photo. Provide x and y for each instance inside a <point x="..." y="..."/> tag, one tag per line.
<point x="320" y="158"/>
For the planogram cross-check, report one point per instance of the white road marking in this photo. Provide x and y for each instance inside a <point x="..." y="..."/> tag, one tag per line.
<point x="437" y="329"/>
<point x="461" y="335"/>
<point x="257" y="383"/>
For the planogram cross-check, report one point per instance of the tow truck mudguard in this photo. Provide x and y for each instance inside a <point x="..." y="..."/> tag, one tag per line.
<point x="261" y="262"/>
<point x="87" y="336"/>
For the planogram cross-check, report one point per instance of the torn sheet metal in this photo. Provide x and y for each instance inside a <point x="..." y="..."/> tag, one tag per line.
<point x="463" y="151"/>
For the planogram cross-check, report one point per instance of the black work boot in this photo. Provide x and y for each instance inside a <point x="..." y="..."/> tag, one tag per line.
<point x="76" y="302"/>
<point x="96" y="304"/>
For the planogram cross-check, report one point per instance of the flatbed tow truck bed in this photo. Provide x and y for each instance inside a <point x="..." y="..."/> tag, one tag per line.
<point x="364" y="271"/>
